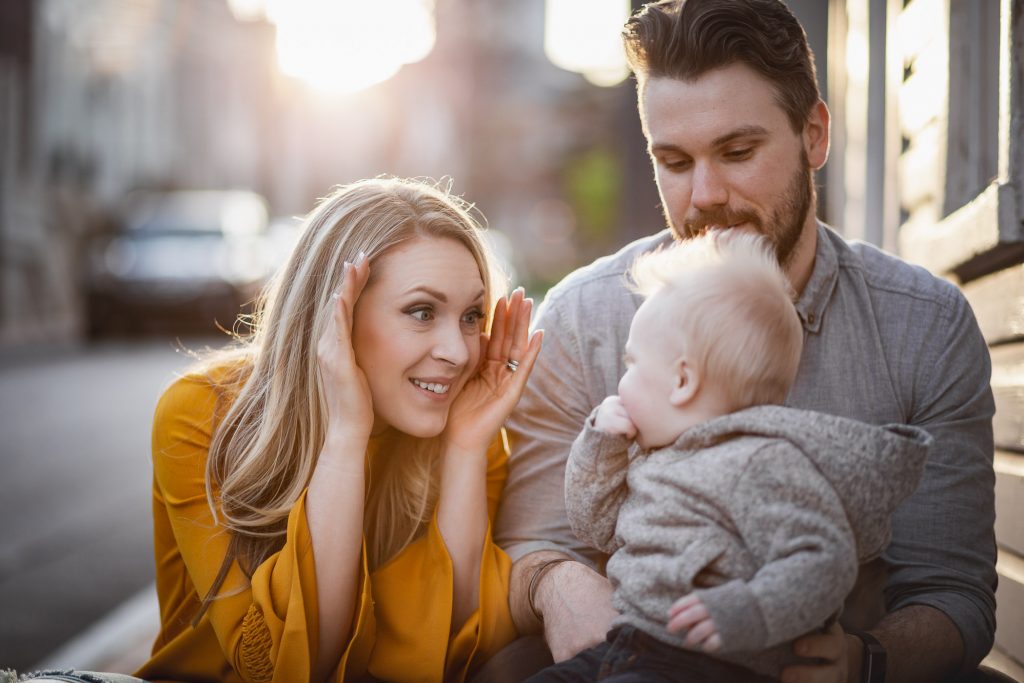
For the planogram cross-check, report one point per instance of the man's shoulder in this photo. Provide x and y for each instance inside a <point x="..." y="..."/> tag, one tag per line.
<point x="607" y="273"/>
<point x="886" y="274"/>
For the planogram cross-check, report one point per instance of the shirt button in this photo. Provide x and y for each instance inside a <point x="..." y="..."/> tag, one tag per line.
<point x="810" y="318"/>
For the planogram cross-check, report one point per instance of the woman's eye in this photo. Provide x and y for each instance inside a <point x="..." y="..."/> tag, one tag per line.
<point x="473" y="317"/>
<point x="422" y="314"/>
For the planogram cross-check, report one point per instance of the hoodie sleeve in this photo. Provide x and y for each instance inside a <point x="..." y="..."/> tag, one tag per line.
<point x="793" y="523"/>
<point x="595" y="485"/>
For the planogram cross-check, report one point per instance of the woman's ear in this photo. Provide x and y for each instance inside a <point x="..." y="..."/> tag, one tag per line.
<point x="687" y="384"/>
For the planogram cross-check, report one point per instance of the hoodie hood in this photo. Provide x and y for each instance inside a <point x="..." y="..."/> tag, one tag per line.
<point x="873" y="469"/>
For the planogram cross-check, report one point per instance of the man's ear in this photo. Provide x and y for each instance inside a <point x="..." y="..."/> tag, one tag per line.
<point x="816" y="135"/>
<point x="687" y="384"/>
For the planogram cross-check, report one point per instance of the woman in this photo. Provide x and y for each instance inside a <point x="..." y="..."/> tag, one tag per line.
<point x="323" y="493"/>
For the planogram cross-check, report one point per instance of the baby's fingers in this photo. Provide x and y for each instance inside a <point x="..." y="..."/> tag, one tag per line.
<point x="685" y="613"/>
<point x="701" y="632"/>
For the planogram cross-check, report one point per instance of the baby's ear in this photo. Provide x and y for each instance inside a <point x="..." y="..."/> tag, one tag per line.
<point x="687" y="384"/>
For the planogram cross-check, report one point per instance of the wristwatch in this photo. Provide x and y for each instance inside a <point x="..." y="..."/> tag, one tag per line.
<point x="872" y="663"/>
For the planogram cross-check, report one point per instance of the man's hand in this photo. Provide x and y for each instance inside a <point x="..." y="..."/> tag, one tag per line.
<point x="689" y="613"/>
<point x="834" y="648"/>
<point x="576" y="604"/>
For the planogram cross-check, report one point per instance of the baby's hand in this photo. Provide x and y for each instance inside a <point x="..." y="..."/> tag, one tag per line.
<point x="612" y="418"/>
<point x="689" y="613"/>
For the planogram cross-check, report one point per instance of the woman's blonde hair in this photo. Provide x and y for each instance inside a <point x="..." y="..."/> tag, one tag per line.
<point x="272" y="426"/>
<point x="735" y="312"/>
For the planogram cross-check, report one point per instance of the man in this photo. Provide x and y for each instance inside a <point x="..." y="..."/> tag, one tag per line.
<point x="736" y="127"/>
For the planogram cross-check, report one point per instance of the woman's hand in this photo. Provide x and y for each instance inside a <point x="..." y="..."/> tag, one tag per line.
<point x="349" y="403"/>
<point x="489" y="396"/>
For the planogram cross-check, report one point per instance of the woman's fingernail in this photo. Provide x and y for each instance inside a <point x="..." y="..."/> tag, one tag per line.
<point x="360" y="258"/>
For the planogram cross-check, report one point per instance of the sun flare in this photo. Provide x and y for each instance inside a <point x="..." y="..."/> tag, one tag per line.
<point x="343" y="46"/>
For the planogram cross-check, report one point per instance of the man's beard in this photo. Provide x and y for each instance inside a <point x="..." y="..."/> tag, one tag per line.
<point x="784" y="226"/>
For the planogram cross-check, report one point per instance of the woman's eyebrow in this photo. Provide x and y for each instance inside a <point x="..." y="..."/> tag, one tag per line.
<point x="440" y="296"/>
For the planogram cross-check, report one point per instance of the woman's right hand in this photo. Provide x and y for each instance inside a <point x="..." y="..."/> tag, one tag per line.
<point x="349" y="402"/>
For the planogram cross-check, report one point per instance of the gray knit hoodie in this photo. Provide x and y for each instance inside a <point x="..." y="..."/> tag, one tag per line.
<point x="764" y="513"/>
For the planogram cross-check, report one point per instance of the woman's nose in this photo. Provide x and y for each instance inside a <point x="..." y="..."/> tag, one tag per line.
<point x="451" y="345"/>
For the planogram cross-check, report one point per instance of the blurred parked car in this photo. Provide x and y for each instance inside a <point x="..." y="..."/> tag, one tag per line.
<point x="179" y="261"/>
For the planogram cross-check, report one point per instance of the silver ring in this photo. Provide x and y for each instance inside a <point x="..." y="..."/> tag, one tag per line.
<point x="512" y="365"/>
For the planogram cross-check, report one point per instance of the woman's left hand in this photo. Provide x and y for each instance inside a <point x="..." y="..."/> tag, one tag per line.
<point x="490" y="395"/>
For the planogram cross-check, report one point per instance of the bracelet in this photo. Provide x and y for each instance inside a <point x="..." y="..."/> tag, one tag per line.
<point x="531" y="592"/>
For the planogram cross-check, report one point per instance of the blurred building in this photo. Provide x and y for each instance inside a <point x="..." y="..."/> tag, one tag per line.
<point x="104" y="97"/>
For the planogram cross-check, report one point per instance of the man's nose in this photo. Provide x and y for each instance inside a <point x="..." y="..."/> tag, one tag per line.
<point x="708" y="189"/>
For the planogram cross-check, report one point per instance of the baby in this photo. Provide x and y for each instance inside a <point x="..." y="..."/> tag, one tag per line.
<point x="734" y="525"/>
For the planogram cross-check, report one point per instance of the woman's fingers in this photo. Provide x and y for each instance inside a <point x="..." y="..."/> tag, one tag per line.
<point x="498" y="323"/>
<point x="515" y="304"/>
<point x="520" y="334"/>
<point x="354" y="277"/>
<point x="529" y="357"/>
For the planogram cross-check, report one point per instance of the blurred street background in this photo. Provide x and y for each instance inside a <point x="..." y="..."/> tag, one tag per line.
<point x="153" y="157"/>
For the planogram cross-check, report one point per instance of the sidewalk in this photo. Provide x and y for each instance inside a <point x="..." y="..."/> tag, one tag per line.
<point x="119" y="642"/>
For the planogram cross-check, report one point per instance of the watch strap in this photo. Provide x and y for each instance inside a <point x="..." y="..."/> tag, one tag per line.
<point x="873" y="661"/>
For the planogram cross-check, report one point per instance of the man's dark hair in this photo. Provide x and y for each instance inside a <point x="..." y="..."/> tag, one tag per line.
<point x="684" y="39"/>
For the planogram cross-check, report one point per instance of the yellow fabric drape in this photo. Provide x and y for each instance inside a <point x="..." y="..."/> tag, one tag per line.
<point x="266" y="630"/>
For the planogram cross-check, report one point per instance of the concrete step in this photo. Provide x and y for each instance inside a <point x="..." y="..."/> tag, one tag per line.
<point x="120" y="642"/>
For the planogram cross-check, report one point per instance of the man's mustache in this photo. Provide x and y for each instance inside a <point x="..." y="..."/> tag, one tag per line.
<point x="699" y="224"/>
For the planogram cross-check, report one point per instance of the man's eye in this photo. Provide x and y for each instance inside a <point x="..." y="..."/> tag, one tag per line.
<point x="739" y="154"/>
<point x="675" y="165"/>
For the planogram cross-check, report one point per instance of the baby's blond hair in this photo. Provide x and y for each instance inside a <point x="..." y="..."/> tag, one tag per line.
<point x="736" y="318"/>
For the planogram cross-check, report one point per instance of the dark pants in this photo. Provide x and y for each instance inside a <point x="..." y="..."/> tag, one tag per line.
<point x="529" y="655"/>
<point x="632" y="656"/>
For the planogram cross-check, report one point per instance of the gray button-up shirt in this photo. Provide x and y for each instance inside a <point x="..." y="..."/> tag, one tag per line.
<point x="884" y="342"/>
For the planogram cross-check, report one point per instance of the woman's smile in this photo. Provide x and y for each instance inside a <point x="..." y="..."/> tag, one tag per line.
<point x="435" y="388"/>
<point x="417" y="332"/>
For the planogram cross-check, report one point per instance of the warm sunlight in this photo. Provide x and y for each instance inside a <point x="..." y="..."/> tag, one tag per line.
<point x="342" y="46"/>
<point x="584" y="36"/>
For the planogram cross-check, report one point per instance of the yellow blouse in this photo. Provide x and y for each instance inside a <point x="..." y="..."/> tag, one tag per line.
<point x="266" y="630"/>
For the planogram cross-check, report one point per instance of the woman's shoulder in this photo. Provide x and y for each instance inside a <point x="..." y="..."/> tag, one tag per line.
<point x="202" y="390"/>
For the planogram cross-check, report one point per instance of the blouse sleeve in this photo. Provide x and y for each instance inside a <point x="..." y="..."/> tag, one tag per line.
<point x="490" y="627"/>
<point x="266" y="627"/>
<point x="413" y="596"/>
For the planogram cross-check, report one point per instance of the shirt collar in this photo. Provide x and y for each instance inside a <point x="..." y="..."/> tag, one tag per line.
<point x="811" y="304"/>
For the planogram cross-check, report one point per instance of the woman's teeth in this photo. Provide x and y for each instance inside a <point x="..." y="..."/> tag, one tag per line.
<point x="430" y="386"/>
